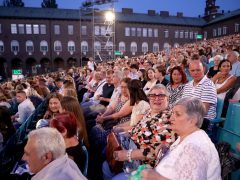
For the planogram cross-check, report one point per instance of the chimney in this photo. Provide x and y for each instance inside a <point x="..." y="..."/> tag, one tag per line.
<point x="222" y="11"/>
<point x="151" y="12"/>
<point x="179" y="14"/>
<point x="164" y="13"/>
<point x="127" y="10"/>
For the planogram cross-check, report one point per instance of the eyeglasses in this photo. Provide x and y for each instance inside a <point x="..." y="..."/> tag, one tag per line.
<point x="154" y="96"/>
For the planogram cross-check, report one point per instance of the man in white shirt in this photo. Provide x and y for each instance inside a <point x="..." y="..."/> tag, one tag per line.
<point x="45" y="153"/>
<point x="233" y="58"/>
<point x="25" y="107"/>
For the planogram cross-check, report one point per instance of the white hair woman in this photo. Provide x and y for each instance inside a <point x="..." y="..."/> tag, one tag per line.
<point x="46" y="157"/>
<point x="192" y="155"/>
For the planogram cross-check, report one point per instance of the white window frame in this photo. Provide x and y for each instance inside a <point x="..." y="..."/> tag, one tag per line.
<point x="122" y="47"/>
<point x="43" y="46"/>
<point x="35" y="29"/>
<point x="14" y="28"/>
<point x="70" y="29"/>
<point x="133" y="31"/>
<point x="43" y="29"/>
<point x="57" y="30"/>
<point x="84" y="30"/>
<point x="214" y="32"/>
<point x="127" y="31"/>
<point x="71" y="47"/>
<point x="57" y="46"/>
<point x="84" y="46"/>
<point x="28" y="29"/>
<point x="15" y="46"/>
<point x="205" y="34"/>
<point x="139" y="32"/>
<point x="1" y="47"/>
<point x="155" y="32"/>
<point x="21" y="29"/>
<point x="150" y="32"/>
<point x="191" y="35"/>
<point x="97" y="30"/>
<point x="97" y="46"/>
<point x="186" y="34"/>
<point x="176" y="34"/>
<point x="236" y="27"/>
<point x="181" y="35"/>
<point x="29" y="46"/>
<point x="225" y="30"/>
<point x="219" y="31"/>
<point x="166" y="33"/>
<point x="144" y="47"/>
<point x="155" y="47"/>
<point x="144" y="32"/>
<point x="133" y="47"/>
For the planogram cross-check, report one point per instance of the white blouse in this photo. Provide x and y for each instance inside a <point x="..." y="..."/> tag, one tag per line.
<point x="194" y="158"/>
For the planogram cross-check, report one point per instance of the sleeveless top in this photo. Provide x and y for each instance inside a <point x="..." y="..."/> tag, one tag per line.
<point x="222" y="95"/>
<point x="118" y="107"/>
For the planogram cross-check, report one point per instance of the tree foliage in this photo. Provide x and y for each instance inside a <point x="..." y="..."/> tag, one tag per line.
<point x="49" y="4"/>
<point x="13" y="3"/>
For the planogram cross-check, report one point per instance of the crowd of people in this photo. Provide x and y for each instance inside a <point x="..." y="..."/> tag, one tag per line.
<point x="162" y="102"/>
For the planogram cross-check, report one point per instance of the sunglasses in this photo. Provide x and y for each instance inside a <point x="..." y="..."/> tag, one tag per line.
<point x="157" y="95"/>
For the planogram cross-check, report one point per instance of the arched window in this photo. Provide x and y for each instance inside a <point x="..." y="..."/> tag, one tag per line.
<point x="144" y="47"/>
<point x="133" y="47"/>
<point x="43" y="46"/>
<point x="122" y="46"/>
<point x="1" y="47"/>
<point x="97" y="46"/>
<point x="15" y="46"/>
<point x="84" y="46"/>
<point x="176" y="45"/>
<point x="155" y="47"/>
<point x="29" y="46"/>
<point x="57" y="46"/>
<point x="109" y="45"/>
<point x="166" y="45"/>
<point x="71" y="46"/>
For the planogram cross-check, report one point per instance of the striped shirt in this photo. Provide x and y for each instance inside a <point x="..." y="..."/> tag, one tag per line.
<point x="205" y="90"/>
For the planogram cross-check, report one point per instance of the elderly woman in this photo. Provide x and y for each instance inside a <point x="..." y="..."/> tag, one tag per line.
<point x="148" y="133"/>
<point x="214" y="70"/>
<point x="192" y="155"/>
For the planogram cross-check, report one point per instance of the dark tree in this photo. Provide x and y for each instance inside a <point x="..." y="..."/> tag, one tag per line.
<point x="49" y="4"/>
<point x="13" y="3"/>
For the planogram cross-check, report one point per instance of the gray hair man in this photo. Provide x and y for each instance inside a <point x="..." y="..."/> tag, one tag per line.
<point x="46" y="156"/>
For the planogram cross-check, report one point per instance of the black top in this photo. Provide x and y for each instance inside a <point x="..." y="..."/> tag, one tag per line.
<point x="77" y="154"/>
<point x="211" y="72"/>
<point x="107" y="93"/>
<point x="164" y="82"/>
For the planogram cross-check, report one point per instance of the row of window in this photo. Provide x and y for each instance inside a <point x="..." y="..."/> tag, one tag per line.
<point x="223" y="30"/>
<point x="103" y="30"/>
<point x="84" y="46"/>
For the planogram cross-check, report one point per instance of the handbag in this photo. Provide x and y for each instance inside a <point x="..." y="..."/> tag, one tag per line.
<point x="113" y="145"/>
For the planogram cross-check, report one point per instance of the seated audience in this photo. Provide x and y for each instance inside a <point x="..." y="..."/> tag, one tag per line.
<point x="151" y="80"/>
<point x="214" y="70"/>
<point x="192" y="155"/>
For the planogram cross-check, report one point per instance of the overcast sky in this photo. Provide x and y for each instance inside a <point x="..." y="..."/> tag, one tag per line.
<point x="188" y="7"/>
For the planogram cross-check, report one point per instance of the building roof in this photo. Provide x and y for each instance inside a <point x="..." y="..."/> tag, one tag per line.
<point x="74" y="14"/>
<point x="225" y="16"/>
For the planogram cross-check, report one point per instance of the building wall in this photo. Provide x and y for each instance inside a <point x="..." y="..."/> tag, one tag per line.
<point x="53" y="61"/>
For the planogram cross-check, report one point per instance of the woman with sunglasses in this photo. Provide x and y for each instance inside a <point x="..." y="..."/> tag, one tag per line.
<point x="150" y="132"/>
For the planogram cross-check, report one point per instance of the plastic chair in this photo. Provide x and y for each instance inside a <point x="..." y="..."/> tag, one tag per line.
<point x="167" y="77"/>
<point x="232" y="122"/>
<point x="218" y="118"/>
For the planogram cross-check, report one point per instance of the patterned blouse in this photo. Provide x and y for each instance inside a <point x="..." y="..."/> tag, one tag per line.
<point x="150" y="132"/>
<point x="175" y="94"/>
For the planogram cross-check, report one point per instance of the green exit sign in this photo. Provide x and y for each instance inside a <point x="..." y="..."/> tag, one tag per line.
<point x="118" y="53"/>
<point x="199" y="36"/>
<point x="16" y="71"/>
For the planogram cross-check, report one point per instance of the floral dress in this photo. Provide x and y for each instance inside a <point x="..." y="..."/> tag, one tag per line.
<point x="150" y="132"/>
